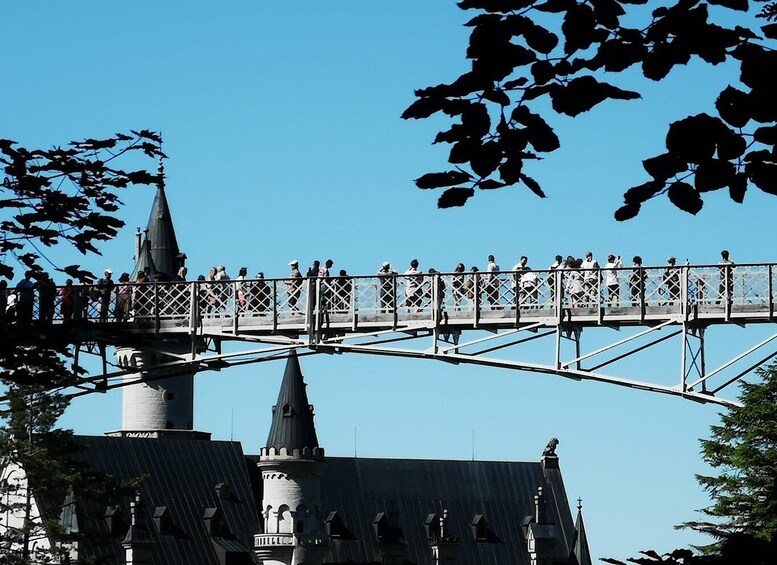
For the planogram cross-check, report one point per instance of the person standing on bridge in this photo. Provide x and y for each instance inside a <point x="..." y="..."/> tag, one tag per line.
<point x="387" y="282"/>
<point x="414" y="280"/>
<point x="492" y="283"/>
<point x="637" y="281"/>
<point x="123" y="299"/>
<point x="611" y="280"/>
<point x="558" y="263"/>
<point x="590" y="274"/>
<point x="458" y="285"/>
<point x="105" y="287"/>
<point x="672" y="282"/>
<point x="241" y="293"/>
<point x="294" y="286"/>
<point x="726" y="287"/>
<point x="47" y="296"/>
<point x="325" y="276"/>
<point x="25" y="298"/>
<point x="67" y="300"/>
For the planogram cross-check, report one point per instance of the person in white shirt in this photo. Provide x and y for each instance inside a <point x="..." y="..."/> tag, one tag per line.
<point x="529" y="287"/>
<point x="611" y="279"/>
<point x="590" y="277"/>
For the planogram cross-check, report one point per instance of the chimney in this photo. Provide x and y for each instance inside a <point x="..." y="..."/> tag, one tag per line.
<point x="540" y="515"/>
<point x="137" y="543"/>
<point x="444" y="546"/>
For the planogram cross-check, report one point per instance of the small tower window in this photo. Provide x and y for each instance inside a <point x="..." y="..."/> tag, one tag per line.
<point x="288" y="411"/>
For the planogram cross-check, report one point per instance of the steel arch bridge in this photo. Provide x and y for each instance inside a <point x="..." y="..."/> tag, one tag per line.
<point x="464" y="318"/>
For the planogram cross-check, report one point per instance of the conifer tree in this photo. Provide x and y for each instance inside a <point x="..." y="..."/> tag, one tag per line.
<point x="744" y="450"/>
<point x="50" y="197"/>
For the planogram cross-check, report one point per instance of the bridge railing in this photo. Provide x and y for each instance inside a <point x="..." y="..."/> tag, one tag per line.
<point x="427" y="296"/>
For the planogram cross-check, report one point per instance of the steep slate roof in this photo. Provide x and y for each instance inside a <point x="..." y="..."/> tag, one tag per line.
<point x="182" y="476"/>
<point x="163" y="252"/>
<point x="409" y="490"/>
<point x="292" y="416"/>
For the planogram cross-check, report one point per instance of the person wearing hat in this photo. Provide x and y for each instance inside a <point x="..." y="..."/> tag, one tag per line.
<point x="672" y="282"/>
<point x="294" y="286"/>
<point x="611" y="279"/>
<point x="105" y="287"/>
<point x="387" y="285"/>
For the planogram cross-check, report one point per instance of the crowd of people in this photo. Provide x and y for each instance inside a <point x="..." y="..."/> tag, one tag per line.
<point x="582" y="281"/>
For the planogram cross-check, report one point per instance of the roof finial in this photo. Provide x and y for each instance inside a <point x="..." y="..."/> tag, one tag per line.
<point x="161" y="173"/>
<point x="579" y="504"/>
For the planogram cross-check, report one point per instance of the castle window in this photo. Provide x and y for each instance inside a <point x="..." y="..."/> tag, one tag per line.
<point x="300" y="527"/>
<point x="284" y="520"/>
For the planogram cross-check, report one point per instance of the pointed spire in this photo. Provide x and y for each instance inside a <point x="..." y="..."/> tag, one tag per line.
<point x="160" y="234"/>
<point x="292" y="419"/>
<point x="582" y="553"/>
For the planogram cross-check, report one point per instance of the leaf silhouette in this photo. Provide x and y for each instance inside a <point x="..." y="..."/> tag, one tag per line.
<point x="456" y="196"/>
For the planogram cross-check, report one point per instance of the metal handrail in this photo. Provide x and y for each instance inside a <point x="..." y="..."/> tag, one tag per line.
<point x="316" y="302"/>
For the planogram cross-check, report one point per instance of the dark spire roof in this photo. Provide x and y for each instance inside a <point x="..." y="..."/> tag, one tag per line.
<point x="163" y="249"/>
<point x="582" y="553"/>
<point x="292" y="416"/>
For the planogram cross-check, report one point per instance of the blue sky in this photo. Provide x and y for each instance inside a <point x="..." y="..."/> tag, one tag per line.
<point x="281" y="121"/>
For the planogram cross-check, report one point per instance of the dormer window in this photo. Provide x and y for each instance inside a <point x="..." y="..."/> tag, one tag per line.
<point x="288" y="411"/>
<point x="335" y="527"/>
<point x="114" y="519"/>
<point x="380" y="524"/>
<point x="433" y="527"/>
<point x="163" y="520"/>
<point x="222" y="490"/>
<point x="479" y="526"/>
<point x="212" y="521"/>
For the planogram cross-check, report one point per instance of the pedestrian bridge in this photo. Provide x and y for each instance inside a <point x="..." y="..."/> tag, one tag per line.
<point x="455" y="317"/>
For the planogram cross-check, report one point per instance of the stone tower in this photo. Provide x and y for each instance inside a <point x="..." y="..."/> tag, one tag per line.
<point x="165" y="404"/>
<point x="291" y="465"/>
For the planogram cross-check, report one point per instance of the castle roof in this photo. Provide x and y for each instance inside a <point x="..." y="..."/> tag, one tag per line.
<point x="292" y="418"/>
<point x="185" y="482"/>
<point x="162" y="254"/>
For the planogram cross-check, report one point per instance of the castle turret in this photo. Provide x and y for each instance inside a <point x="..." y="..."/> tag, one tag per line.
<point x="291" y="463"/>
<point x="165" y="404"/>
<point x="581" y="552"/>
